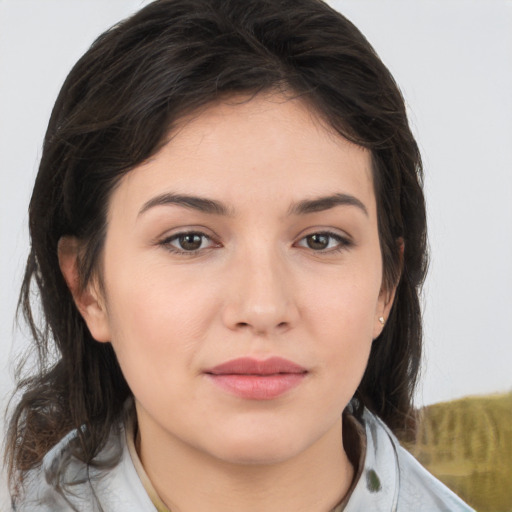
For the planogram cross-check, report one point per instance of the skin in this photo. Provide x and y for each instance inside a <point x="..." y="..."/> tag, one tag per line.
<point x="258" y="284"/>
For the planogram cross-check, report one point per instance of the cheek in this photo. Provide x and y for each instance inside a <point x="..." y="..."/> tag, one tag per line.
<point x="341" y="323"/>
<point x="345" y="305"/>
<point x="342" y="318"/>
<point x="158" y="320"/>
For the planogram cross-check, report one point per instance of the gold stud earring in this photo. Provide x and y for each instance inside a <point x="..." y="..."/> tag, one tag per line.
<point x="381" y="320"/>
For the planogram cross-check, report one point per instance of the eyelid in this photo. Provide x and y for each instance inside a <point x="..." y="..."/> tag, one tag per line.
<point x="344" y="240"/>
<point x="166" y="240"/>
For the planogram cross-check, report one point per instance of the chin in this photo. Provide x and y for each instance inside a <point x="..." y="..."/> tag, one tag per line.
<point x="259" y="449"/>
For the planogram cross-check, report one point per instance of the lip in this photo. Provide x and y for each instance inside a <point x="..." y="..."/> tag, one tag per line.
<point x="255" y="379"/>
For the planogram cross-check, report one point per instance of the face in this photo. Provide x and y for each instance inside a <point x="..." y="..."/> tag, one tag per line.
<point x="242" y="281"/>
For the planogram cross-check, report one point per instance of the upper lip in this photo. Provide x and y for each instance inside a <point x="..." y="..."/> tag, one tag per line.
<point x="252" y="366"/>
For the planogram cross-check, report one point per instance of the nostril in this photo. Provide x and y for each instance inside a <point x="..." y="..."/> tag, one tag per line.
<point x="281" y="326"/>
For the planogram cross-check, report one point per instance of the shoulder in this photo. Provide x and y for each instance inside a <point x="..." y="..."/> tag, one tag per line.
<point x="392" y="479"/>
<point x="62" y="483"/>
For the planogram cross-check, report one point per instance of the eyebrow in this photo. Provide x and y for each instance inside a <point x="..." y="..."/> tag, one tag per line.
<point x="193" y="202"/>
<point x="321" y="204"/>
<point x="211" y="206"/>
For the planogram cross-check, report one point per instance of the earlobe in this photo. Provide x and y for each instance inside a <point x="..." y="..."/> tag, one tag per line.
<point x="387" y="297"/>
<point x="382" y="314"/>
<point x="88" y="299"/>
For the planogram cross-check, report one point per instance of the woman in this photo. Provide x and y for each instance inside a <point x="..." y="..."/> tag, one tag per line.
<point x="228" y="239"/>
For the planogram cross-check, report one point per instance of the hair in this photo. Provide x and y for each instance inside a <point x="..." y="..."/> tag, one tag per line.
<point x="116" y="109"/>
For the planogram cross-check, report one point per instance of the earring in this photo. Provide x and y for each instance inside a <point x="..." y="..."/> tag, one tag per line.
<point x="381" y="320"/>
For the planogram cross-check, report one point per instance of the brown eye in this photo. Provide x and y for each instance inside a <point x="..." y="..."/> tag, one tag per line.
<point x="324" y="242"/>
<point x="317" y="241"/>
<point x="190" y="241"/>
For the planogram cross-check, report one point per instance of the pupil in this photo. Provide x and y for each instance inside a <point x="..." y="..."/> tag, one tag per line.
<point x="190" y="242"/>
<point x="318" y="241"/>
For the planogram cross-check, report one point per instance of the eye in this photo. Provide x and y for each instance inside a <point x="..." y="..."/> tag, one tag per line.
<point x="324" y="242"/>
<point x="189" y="242"/>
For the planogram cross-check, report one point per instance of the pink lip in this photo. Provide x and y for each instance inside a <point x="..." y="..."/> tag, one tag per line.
<point x="257" y="380"/>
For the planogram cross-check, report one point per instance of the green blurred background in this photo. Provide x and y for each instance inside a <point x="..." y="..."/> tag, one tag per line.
<point x="467" y="444"/>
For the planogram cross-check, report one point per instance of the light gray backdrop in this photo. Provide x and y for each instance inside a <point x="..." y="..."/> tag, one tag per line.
<point x="453" y="62"/>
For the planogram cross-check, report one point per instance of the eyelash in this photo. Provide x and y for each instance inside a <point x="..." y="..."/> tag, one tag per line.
<point x="167" y="243"/>
<point x="341" y="242"/>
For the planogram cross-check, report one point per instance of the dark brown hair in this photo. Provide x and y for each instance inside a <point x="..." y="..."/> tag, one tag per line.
<point x="116" y="108"/>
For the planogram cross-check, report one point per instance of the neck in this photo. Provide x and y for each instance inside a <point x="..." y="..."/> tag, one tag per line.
<point x="187" y="479"/>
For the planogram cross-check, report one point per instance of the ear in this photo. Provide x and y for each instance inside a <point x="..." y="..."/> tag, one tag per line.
<point x="384" y="305"/>
<point x="88" y="300"/>
<point x="386" y="298"/>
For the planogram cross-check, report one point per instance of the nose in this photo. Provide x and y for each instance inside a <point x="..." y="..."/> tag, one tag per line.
<point x="261" y="298"/>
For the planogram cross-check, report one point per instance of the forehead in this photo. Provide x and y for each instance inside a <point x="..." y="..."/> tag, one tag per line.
<point x="241" y="149"/>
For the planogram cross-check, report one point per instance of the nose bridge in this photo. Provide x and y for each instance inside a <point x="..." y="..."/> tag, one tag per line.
<point x="263" y="300"/>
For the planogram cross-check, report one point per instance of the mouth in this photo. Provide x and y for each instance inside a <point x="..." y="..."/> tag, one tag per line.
<point x="255" y="379"/>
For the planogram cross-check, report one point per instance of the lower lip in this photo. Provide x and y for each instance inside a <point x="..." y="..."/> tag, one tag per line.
<point x="257" y="387"/>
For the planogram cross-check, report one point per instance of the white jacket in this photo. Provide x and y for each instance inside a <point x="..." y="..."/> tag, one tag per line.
<point x="391" y="481"/>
